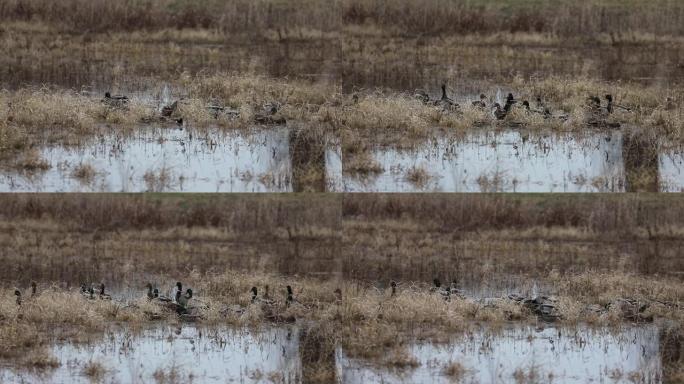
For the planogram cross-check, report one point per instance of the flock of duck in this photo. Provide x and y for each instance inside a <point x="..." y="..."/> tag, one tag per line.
<point x="170" y="112"/>
<point x="598" y="112"/>
<point x="186" y="306"/>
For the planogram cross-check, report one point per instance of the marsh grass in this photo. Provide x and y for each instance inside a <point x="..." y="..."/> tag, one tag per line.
<point x="159" y="180"/>
<point x="362" y="164"/>
<point x="84" y="172"/>
<point x="418" y="176"/>
<point x="303" y="18"/>
<point x="31" y="161"/>
<point x="34" y="116"/>
<point x="455" y="370"/>
<point x="94" y="370"/>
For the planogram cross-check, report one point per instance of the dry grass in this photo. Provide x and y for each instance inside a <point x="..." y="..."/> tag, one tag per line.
<point x="84" y="172"/>
<point x="30" y="161"/>
<point x="306" y="17"/>
<point x="34" y="116"/>
<point x="455" y="370"/>
<point x="362" y="164"/>
<point x="418" y="176"/>
<point x="94" y="370"/>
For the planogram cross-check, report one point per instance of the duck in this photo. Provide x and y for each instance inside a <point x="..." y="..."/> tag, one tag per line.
<point x="422" y="96"/>
<point x="254" y="294"/>
<point x="266" y="295"/>
<point x="498" y="112"/>
<point x="609" y="105"/>
<point x="168" y="110"/>
<point x="17" y="293"/>
<point x="150" y="292"/>
<point x="179" y="290"/>
<point x="87" y="291"/>
<point x="510" y="101"/>
<point x="594" y="102"/>
<point x="117" y="101"/>
<point x="437" y="288"/>
<point x="445" y="102"/>
<point x="103" y="295"/>
<point x="289" y="299"/>
<point x="482" y="103"/>
<point x="453" y="289"/>
<point x="266" y="298"/>
<point x="183" y="300"/>
<point x="670" y="104"/>
<point x="526" y="105"/>
<point x="156" y="295"/>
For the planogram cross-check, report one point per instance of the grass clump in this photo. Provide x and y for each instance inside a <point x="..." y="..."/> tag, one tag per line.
<point x="94" y="370"/>
<point x="418" y="176"/>
<point x="84" y="172"/>
<point x="455" y="371"/>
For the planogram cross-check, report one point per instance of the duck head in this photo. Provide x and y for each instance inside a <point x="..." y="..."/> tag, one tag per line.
<point x="188" y="293"/>
<point x="609" y="97"/>
<point x="254" y="291"/>
<point x="102" y="289"/>
<point x="289" y="290"/>
<point x="155" y="292"/>
<point x="510" y="98"/>
<point x="526" y="104"/>
<point x="108" y="95"/>
<point x="179" y="285"/>
<point x="437" y="283"/>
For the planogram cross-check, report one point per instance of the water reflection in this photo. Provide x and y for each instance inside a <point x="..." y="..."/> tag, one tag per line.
<point x="285" y="355"/>
<point x="519" y="161"/>
<point x="167" y="160"/>
<point x="526" y="355"/>
<point x="191" y="354"/>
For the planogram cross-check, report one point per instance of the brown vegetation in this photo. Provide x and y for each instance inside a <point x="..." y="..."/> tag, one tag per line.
<point x="404" y="17"/>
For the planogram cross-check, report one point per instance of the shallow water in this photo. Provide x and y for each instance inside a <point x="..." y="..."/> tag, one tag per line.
<point x="516" y="161"/>
<point x="194" y="354"/>
<point x="528" y="355"/>
<point x="209" y="355"/>
<point x="171" y="160"/>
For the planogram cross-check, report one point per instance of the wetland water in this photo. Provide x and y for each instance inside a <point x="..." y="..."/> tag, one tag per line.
<point x="519" y="161"/>
<point x="220" y="355"/>
<point x="172" y="160"/>
<point x="261" y="160"/>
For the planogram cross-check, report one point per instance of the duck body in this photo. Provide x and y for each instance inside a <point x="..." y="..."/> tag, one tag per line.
<point x="168" y="110"/>
<point x="102" y="295"/>
<point x="482" y="103"/>
<point x="422" y="96"/>
<point x="116" y="101"/>
<point x="498" y="112"/>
